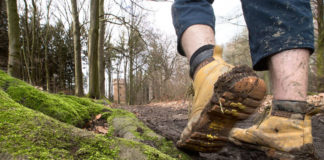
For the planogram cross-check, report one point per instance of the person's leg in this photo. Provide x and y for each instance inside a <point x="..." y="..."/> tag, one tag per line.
<point x="194" y="23"/>
<point x="196" y="36"/>
<point x="281" y="32"/>
<point x="223" y="94"/>
<point x="289" y="74"/>
<point x="186" y="16"/>
<point x="275" y="26"/>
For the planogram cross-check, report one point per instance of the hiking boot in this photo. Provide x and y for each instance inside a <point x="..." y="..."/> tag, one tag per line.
<point x="285" y="132"/>
<point x="223" y="95"/>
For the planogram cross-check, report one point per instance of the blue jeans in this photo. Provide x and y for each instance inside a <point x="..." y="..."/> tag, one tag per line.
<point x="273" y="25"/>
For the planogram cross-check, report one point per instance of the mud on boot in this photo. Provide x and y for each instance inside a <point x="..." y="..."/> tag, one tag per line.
<point x="224" y="95"/>
<point x="285" y="133"/>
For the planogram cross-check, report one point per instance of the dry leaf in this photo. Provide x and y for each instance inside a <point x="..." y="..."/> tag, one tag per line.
<point x="98" y="117"/>
<point x="101" y="129"/>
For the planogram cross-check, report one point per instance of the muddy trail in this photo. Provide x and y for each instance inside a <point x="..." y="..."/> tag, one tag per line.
<point x="170" y="118"/>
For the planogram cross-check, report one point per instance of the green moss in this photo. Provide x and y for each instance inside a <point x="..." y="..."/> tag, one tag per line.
<point x="311" y="93"/>
<point x="29" y="128"/>
<point x="126" y="125"/>
<point x="27" y="133"/>
<point x="103" y="101"/>
<point x="69" y="109"/>
<point x="147" y="152"/>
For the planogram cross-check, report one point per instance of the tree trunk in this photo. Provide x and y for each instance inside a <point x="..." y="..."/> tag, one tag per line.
<point x="33" y="49"/>
<point x="109" y="76"/>
<point x="110" y="84"/>
<point x="26" y="60"/>
<point x="131" y="77"/>
<point x="77" y="50"/>
<point x="46" y="46"/>
<point x="101" y="59"/>
<point x="4" y="41"/>
<point x="13" y="34"/>
<point x="125" y="82"/>
<point x="93" y="50"/>
<point x="61" y="62"/>
<point x="118" y="92"/>
<point x="320" y="45"/>
<point x="26" y="46"/>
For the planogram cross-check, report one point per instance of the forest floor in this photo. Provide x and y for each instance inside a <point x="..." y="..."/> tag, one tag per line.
<point x="170" y="118"/>
<point x="39" y="125"/>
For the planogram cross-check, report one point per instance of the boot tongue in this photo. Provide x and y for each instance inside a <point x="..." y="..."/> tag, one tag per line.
<point x="289" y="109"/>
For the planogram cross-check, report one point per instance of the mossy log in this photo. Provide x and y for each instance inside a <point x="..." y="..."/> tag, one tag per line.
<point x="125" y="125"/>
<point x="38" y="125"/>
<point x="68" y="109"/>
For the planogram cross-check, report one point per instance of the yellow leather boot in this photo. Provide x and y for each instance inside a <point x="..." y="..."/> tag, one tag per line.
<point x="223" y="95"/>
<point x="285" y="132"/>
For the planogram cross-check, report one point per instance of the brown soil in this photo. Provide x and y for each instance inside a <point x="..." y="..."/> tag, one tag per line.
<point x="169" y="119"/>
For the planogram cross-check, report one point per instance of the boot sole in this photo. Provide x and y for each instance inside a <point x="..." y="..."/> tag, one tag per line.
<point x="307" y="152"/>
<point x="236" y="96"/>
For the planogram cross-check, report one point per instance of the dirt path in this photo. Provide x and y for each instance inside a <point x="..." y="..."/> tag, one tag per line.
<point x="169" y="119"/>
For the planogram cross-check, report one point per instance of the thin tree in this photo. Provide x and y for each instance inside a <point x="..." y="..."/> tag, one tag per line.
<point x="77" y="50"/>
<point x="320" y="44"/>
<point x="109" y="56"/>
<point x="34" y="47"/>
<point x="4" y="36"/>
<point x="13" y="34"/>
<point x="46" y="45"/>
<point x="101" y="59"/>
<point x="135" y="46"/>
<point x="93" y="50"/>
<point x="26" y="44"/>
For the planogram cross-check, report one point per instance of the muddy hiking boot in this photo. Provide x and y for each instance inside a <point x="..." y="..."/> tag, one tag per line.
<point x="223" y="96"/>
<point x="284" y="133"/>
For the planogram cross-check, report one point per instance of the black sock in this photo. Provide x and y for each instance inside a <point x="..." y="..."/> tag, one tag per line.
<point x="199" y="56"/>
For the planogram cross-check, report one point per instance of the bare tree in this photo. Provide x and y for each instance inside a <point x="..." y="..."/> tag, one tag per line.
<point x="46" y="45"/>
<point x="13" y="34"/>
<point x="77" y="50"/>
<point x="26" y="44"/>
<point x="4" y="36"/>
<point x="319" y="16"/>
<point x="101" y="42"/>
<point x="33" y="45"/>
<point x="109" y="57"/>
<point x="93" y="50"/>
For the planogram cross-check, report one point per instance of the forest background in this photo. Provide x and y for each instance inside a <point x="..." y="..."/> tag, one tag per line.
<point x="80" y="47"/>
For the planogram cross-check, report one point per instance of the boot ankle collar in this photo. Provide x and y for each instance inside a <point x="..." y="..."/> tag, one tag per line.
<point x="200" y="56"/>
<point x="202" y="64"/>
